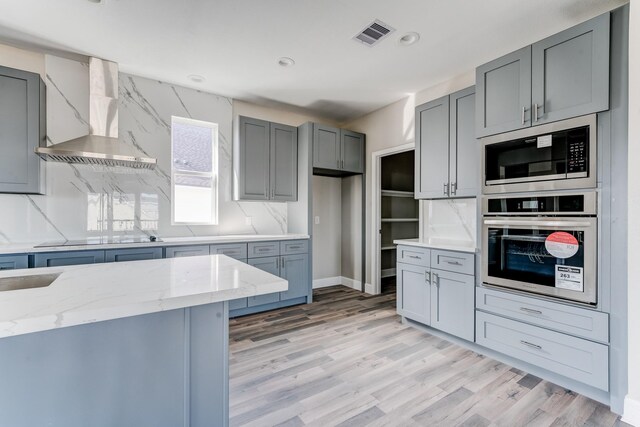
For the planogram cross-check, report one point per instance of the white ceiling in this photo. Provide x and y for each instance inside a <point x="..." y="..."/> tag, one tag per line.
<point x="235" y="44"/>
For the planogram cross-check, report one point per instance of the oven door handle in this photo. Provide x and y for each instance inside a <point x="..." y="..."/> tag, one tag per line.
<point x="539" y="223"/>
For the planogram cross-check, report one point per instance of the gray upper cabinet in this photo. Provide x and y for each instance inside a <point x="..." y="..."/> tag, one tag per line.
<point x="503" y="86"/>
<point x="447" y="152"/>
<point x="464" y="150"/>
<point x="284" y="162"/>
<point x="265" y="161"/>
<point x="326" y="147"/>
<point x="570" y="72"/>
<point x="563" y="76"/>
<point x="352" y="150"/>
<point x="22" y="129"/>
<point x="337" y="152"/>
<point x="432" y="149"/>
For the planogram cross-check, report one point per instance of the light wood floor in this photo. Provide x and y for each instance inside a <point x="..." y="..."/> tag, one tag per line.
<point x="347" y="360"/>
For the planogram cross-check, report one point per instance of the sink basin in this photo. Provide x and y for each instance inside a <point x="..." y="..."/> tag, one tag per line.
<point x="27" y="282"/>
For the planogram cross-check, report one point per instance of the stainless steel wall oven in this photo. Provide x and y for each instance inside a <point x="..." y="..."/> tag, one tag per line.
<point x="545" y="244"/>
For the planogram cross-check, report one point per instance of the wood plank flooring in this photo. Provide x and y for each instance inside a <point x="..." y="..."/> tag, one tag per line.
<point x="347" y="360"/>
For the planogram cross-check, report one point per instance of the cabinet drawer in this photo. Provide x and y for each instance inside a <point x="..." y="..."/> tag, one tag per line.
<point x="572" y="357"/>
<point x="12" y="262"/>
<point x="233" y="250"/>
<point x="263" y="249"/>
<point x="414" y="255"/>
<point x="59" y="259"/>
<point x="137" y="254"/>
<point x="458" y="262"/>
<point x="577" y="321"/>
<point x="182" y="251"/>
<point x="291" y="247"/>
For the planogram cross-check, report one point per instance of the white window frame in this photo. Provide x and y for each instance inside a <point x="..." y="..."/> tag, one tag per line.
<point x="213" y="175"/>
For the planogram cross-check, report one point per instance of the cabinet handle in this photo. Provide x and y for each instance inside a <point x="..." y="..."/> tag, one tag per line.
<point x="436" y="279"/>
<point x="523" y="110"/>
<point x="343" y="164"/>
<point x="445" y="191"/>
<point x="528" y="344"/>
<point x="454" y="263"/>
<point x="338" y="164"/>
<point x="282" y="262"/>
<point x="413" y="256"/>
<point x="454" y="188"/>
<point x="530" y="311"/>
<point x="535" y="112"/>
<point x="294" y="247"/>
<point x="427" y="277"/>
<point x="263" y="249"/>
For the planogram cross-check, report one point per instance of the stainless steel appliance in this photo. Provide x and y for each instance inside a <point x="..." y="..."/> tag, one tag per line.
<point x="555" y="156"/>
<point x="545" y="244"/>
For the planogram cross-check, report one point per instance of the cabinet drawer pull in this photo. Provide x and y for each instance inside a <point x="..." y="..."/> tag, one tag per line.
<point x="528" y="344"/>
<point x="454" y="263"/>
<point x="294" y="247"/>
<point x="264" y="249"/>
<point x="530" y="311"/>
<point x="413" y="256"/>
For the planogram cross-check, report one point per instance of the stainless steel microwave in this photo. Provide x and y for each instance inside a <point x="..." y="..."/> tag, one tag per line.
<point x="555" y="156"/>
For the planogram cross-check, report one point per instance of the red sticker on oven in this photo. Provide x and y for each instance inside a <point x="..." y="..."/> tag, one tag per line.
<point x="561" y="244"/>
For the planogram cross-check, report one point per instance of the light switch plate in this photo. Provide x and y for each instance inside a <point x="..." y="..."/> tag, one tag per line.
<point x="316" y="220"/>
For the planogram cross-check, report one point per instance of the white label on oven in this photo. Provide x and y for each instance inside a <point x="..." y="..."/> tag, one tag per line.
<point x="570" y="278"/>
<point x="544" y="141"/>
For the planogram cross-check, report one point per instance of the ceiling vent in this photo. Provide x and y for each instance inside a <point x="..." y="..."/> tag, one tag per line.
<point x="374" y="33"/>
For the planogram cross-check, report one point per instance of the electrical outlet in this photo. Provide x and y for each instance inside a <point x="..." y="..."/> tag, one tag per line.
<point x="317" y="220"/>
<point x="247" y="220"/>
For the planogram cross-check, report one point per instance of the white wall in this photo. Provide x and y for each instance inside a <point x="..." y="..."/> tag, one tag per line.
<point x="22" y="59"/>
<point x="327" y="236"/>
<point x="632" y="403"/>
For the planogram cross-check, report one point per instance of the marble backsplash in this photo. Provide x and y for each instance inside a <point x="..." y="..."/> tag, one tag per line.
<point x="88" y="201"/>
<point x="453" y="220"/>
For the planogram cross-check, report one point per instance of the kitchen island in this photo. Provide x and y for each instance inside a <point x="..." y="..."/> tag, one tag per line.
<point x="141" y="343"/>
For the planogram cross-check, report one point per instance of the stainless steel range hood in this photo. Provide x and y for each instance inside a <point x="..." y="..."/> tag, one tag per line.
<point x="101" y="146"/>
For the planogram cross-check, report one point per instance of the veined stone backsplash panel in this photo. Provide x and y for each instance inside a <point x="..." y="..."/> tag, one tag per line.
<point x="87" y="201"/>
<point x="451" y="220"/>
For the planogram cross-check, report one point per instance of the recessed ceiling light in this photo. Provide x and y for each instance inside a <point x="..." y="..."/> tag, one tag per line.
<point x="409" y="38"/>
<point x="286" y="62"/>
<point x="196" y="78"/>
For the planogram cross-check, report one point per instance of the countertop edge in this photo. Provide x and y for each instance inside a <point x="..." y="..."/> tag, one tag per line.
<point x="440" y="246"/>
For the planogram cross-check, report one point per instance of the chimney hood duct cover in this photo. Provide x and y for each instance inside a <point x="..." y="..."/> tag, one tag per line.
<point x="101" y="146"/>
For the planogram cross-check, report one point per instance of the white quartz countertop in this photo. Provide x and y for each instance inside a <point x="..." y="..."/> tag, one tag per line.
<point x="19" y="248"/>
<point x="97" y="292"/>
<point x="446" y="245"/>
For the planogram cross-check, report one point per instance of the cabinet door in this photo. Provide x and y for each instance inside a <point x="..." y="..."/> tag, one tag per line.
<point x="503" y="94"/>
<point x="12" y="262"/>
<point x="452" y="303"/>
<point x="464" y="149"/>
<point x="352" y="151"/>
<point x="59" y="259"/>
<point x="295" y="268"/>
<point x="270" y="265"/>
<point x="135" y="254"/>
<point x="22" y="129"/>
<point x="570" y="72"/>
<point x="432" y="149"/>
<point x="284" y="162"/>
<point x="182" y="251"/>
<point x="326" y="147"/>
<point x="253" y="159"/>
<point x="414" y="292"/>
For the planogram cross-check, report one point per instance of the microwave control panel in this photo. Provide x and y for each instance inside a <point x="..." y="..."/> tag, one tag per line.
<point x="577" y="155"/>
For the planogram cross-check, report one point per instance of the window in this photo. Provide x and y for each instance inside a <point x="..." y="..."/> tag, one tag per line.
<point x="194" y="172"/>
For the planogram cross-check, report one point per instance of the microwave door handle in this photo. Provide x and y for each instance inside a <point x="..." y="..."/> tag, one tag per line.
<point x="537" y="223"/>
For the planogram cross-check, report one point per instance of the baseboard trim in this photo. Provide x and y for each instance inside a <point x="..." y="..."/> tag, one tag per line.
<point x="326" y="282"/>
<point x="631" y="411"/>
<point x="357" y="285"/>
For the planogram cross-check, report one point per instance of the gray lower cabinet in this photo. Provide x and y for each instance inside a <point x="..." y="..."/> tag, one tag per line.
<point x="135" y="254"/>
<point x="59" y="259"/>
<point x="233" y="250"/>
<point x="574" y="358"/>
<point x="295" y="269"/>
<point x="452" y="303"/>
<point x="439" y="298"/>
<point x="13" y="262"/>
<point x="22" y="129"/>
<point x="182" y="251"/>
<point x="265" y="161"/>
<point x="447" y="152"/>
<point x="413" y="293"/>
<point x="563" y="76"/>
<point x="337" y="152"/>
<point x="270" y="265"/>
